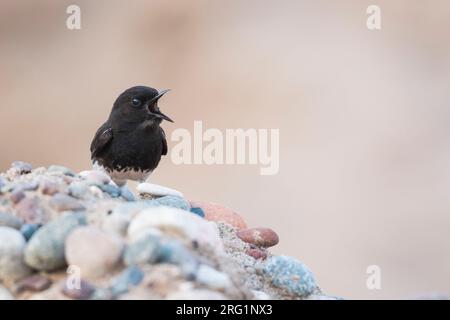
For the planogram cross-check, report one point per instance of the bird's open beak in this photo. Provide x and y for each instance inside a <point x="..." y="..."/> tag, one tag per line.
<point x="159" y="113"/>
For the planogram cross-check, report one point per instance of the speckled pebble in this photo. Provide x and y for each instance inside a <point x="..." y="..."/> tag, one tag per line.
<point x="218" y="212"/>
<point x="12" y="245"/>
<point x="260" y="237"/>
<point x="20" y="167"/>
<point x="45" y="250"/>
<point x="9" y="220"/>
<point x="60" y="170"/>
<point x="291" y="275"/>
<point x="64" y="202"/>
<point x="256" y="253"/>
<point x="94" y="251"/>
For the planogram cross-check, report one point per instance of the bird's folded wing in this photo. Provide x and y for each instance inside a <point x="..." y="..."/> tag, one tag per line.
<point x="164" y="142"/>
<point x="102" y="137"/>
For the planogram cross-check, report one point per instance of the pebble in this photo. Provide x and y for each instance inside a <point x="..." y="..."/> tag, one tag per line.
<point x="291" y="275"/>
<point x="260" y="237"/>
<point x="130" y="277"/>
<point x="30" y="211"/>
<point x="198" y="211"/>
<point x="95" y="177"/>
<point x="218" y="212"/>
<point x="83" y="292"/>
<point x="12" y="245"/>
<point x="212" y="278"/>
<point x="256" y="253"/>
<point x="2" y="182"/>
<point x="157" y="190"/>
<point x="110" y="189"/>
<point x="127" y="194"/>
<point x="34" y="283"/>
<point x="176" y="223"/>
<point x="5" y="294"/>
<point x="28" y="229"/>
<point x="64" y="202"/>
<point x="9" y="220"/>
<point x="61" y="170"/>
<point x="48" y="187"/>
<point x="175" y="253"/>
<point x="172" y="201"/>
<point x="78" y="189"/>
<point x="16" y="196"/>
<point x="260" y="295"/>
<point x="143" y="250"/>
<point x="45" y="250"/>
<point x="20" y="167"/>
<point x="94" y="251"/>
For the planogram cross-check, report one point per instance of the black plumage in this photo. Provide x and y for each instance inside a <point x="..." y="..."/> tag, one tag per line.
<point x="129" y="145"/>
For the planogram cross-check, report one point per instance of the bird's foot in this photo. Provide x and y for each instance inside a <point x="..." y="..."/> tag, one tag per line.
<point x="150" y="191"/>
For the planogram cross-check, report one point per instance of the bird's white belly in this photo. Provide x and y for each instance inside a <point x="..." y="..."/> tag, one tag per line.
<point x="121" y="176"/>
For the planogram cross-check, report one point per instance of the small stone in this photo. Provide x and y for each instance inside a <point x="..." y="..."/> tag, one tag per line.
<point x="172" y="201"/>
<point x="78" y="189"/>
<point x="45" y="250"/>
<point x="94" y="251"/>
<point x="12" y="245"/>
<point x="48" y="187"/>
<point x="198" y="211"/>
<point x="5" y="294"/>
<point x="157" y="190"/>
<point x="212" y="278"/>
<point x="20" y="167"/>
<point x="95" y="177"/>
<point x="143" y="250"/>
<point x="218" y="212"/>
<point x="175" y="253"/>
<point x="110" y="189"/>
<point x="130" y="277"/>
<point x="8" y="220"/>
<point x="30" y="211"/>
<point x="17" y="196"/>
<point x="2" y="182"/>
<point x="34" y="283"/>
<point x="61" y="170"/>
<point x="260" y="237"/>
<point x="260" y="295"/>
<point x="28" y="229"/>
<point x="256" y="253"/>
<point x="63" y="202"/>
<point x="291" y="275"/>
<point x="127" y="194"/>
<point x="83" y="292"/>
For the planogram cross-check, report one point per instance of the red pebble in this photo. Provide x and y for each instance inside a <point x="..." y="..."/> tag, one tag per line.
<point x="218" y="212"/>
<point x="257" y="253"/>
<point x="260" y="237"/>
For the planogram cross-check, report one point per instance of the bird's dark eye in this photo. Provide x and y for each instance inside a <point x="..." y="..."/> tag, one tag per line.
<point x="136" y="102"/>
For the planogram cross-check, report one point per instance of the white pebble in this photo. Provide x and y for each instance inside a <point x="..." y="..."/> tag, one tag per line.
<point x="157" y="190"/>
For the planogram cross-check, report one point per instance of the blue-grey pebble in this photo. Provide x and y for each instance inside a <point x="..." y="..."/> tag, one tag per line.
<point x="9" y="220"/>
<point x="61" y="169"/>
<point x="141" y="251"/>
<point x="198" y="211"/>
<point x="78" y="189"/>
<point x="127" y="194"/>
<point x="131" y="276"/>
<point x="45" y="250"/>
<point x="290" y="274"/>
<point x="110" y="189"/>
<point x="172" y="201"/>
<point x="28" y="229"/>
<point x="175" y="253"/>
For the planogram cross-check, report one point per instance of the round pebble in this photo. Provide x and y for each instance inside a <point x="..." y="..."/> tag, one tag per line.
<point x="78" y="189"/>
<point x="94" y="251"/>
<point x="9" y="220"/>
<point x="218" y="212"/>
<point x="12" y="245"/>
<point x="212" y="278"/>
<point x="34" y="283"/>
<point x="172" y="201"/>
<point x="95" y="177"/>
<point x="45" y="249"/>
<point x="60" y="170"/>
<point x="157" y="190"/>
<point x="256" y="253"/>
<point x="49" y="187"/>
<point x="28" y="229"/>
<point x="260" y="237"/>
<point x="130" y="277"/>
<point x="16" y="196"/>
<point x="63" y="202"/>
<point x="290" y="275"/>
<point x="81" y="291"/>
<point x="143" y="250"/>
<point x="30" y="210"/>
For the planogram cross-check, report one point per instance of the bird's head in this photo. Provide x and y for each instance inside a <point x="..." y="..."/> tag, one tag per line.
<point x="139" y="105"/>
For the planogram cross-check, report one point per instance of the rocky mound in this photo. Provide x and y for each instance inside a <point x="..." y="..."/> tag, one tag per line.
<point x="78" y="236"/>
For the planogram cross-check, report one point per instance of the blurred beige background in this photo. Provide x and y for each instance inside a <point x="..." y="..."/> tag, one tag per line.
<point x="363" y="116"/>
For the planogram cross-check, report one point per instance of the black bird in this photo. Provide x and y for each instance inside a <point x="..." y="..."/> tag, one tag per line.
<point x="129" y="145"/>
